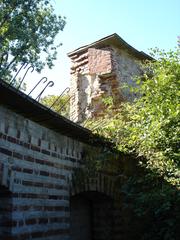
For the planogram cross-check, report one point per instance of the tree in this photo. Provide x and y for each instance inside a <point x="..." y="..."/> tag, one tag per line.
<point x="27" y="32"/>
<point x="149" y="128"/>
<point x="58" y="104"/>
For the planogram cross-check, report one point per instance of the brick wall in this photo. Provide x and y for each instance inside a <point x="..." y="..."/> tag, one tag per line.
<point x="39" y="163"/>
<point x="100" y="60"/>
<point x="126" y="67"/>
<point x="36" y="168"/>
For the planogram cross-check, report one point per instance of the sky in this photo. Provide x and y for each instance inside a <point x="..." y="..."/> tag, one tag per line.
<point x="143" y="24"/>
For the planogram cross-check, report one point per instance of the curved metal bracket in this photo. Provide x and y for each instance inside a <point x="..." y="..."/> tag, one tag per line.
<point x="49" y="84"/>
<point x="25" y="75"/>
<point x="62" y="107"/>
<point x="58" y="98"/>
<point x="38" y="84"/>
<point x="13" y="79"/>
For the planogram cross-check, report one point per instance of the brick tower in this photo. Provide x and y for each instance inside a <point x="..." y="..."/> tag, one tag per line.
<point x="99" y="70"/>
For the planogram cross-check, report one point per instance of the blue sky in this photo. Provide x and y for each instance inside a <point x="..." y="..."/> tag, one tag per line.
<point x="144" y="24"/>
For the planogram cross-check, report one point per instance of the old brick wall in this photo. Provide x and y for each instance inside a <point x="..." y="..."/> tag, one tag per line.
<point x="86" y="86"/>
<point x="100" y="72"/>
<point x="39" y="163"/>
<point x="100" y="60"/>
<point x="36" y="168"/>
<point x="126" y="67"/>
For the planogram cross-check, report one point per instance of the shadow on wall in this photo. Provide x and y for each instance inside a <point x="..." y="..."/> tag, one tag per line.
<point x="92" y="216"/>
<point x="5" y="213"/>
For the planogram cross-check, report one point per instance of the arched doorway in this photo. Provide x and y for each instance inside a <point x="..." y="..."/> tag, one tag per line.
<point x="91" y="216"/>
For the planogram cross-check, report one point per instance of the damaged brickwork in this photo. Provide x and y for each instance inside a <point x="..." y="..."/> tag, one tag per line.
<point x="99" y="70"/>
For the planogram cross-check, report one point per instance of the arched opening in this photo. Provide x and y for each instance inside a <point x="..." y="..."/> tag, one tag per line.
<point x="5" y="213"/>
<point x="91" y="216"/>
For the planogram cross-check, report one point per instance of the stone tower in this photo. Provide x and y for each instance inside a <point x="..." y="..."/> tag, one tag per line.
<point x="100" y="69"/>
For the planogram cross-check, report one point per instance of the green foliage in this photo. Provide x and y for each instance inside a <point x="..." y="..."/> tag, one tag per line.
<point x="155" y="205"/>
<point x="59" y="105"/>
<point x="150" y="125"/>
<point x="149" y="128"/>
<point x="27" y="29"/>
